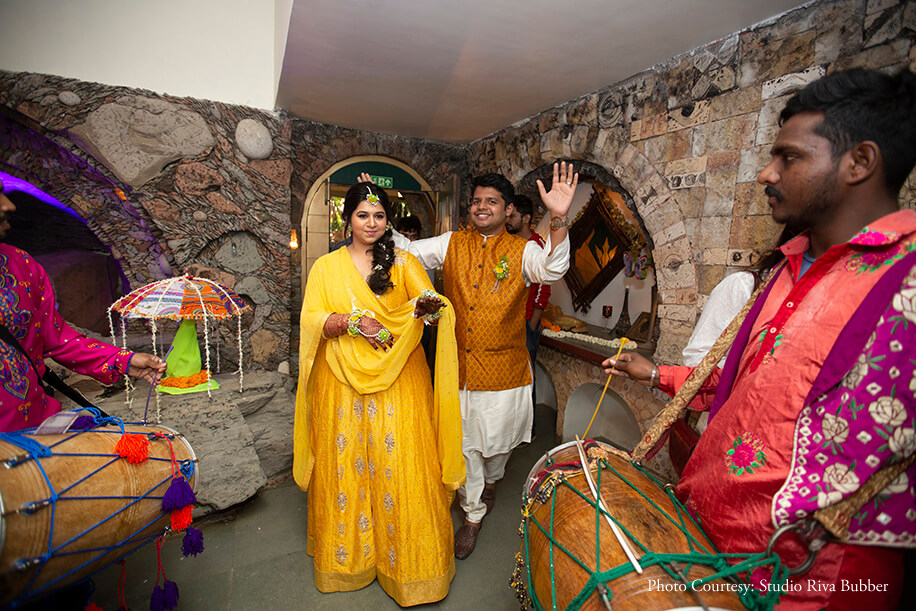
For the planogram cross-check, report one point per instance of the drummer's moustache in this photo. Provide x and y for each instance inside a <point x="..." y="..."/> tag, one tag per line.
<point x="773" y="192"/>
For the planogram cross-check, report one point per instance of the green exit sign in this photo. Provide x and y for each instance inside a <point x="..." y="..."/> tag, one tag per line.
<point x="385" y="182"/>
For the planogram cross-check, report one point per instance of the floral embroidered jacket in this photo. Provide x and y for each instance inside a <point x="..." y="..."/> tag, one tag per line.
<point x="817" y="395"/>
<point x="28" y="311"/>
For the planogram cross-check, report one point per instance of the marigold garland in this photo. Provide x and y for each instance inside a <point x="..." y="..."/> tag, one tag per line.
<point x="186" y="381"/>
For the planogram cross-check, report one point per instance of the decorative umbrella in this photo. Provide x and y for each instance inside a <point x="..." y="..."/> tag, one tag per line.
<point x="181" y="298"/>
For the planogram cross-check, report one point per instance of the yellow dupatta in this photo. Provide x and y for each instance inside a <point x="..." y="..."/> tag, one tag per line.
<point x="335" y="286"/>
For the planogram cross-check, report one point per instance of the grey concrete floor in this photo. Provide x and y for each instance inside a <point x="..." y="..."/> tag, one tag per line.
<point x="255" y="556"/>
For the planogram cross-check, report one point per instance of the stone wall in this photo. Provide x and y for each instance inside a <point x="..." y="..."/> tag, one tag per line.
<point x="168" y="185"/>
<point x="688" y="137"/>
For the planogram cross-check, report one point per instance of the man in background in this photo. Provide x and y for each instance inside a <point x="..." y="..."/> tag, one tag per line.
<point x="519" y="223"/>
<point x="409" y="227"/>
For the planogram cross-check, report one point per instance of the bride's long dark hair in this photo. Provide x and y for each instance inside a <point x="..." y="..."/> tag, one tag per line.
<point x="383" y="249"/>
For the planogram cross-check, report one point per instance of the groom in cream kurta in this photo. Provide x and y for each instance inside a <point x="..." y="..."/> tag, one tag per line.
<point x="494" y="370"/>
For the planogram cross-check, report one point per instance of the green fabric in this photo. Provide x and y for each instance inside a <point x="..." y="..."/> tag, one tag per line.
<point x="184" y="360"/>
<point x="183" y="391"/>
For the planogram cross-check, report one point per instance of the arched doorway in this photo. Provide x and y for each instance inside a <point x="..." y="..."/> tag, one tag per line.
<point x="321" y="225"/>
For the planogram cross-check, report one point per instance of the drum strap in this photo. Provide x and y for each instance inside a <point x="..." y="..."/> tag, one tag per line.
<point x="677" y="406"/>
<point x="49" y="378"/>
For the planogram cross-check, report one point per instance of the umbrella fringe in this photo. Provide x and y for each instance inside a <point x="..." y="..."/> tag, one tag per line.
<point x="233" y="305"/>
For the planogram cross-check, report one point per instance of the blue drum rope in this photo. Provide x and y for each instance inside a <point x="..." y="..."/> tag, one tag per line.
<point x="34" y="450"/>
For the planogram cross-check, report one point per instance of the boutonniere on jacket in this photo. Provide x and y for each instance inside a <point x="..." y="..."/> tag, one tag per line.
<point x="501" y="270"/>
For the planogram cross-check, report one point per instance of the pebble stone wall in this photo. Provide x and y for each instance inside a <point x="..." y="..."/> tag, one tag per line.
<point x="688" y="137"/>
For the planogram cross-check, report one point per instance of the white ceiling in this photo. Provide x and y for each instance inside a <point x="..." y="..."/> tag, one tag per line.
<point x="459" y="70"/>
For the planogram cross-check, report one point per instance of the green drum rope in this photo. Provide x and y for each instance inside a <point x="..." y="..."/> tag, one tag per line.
<point x="699" y="554"/>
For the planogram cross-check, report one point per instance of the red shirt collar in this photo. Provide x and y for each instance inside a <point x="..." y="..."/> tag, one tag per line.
<point x="888" y="229"/>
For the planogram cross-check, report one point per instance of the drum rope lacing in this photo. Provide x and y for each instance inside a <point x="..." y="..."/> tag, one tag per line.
<point x="699" y="554"/>
<point x="35" y="450"/>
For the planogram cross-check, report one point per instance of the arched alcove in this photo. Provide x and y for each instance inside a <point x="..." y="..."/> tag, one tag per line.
<point x="85" y="276"/>
<point x="603" y="209"/>
<point x="316" y="213"/>
<point x="55" y="167"/>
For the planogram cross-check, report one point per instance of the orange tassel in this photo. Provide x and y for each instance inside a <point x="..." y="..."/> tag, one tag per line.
<point x="133" y="448"/>
<point x="181" y="518"/>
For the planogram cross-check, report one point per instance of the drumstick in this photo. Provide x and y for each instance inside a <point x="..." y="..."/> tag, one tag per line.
<point x="595" y="493"/>
<point x="154" y="384"/>
<point x="623" y="341"/>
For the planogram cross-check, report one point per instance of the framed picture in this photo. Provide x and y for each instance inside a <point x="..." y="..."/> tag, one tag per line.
<point x="598" y="238"/>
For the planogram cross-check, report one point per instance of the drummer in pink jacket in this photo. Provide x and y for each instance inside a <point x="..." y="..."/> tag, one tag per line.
<point x="29" y="315"/>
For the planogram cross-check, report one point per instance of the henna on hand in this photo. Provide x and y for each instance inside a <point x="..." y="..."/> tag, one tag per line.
<point x="334" y="325"/>
<point x="427" y="305"/>
<point x="370" y="327"/>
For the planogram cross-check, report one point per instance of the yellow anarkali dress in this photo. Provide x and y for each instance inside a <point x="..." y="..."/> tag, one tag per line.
<point x="376" y="446"/>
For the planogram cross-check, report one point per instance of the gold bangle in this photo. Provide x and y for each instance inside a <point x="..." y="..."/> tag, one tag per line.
<point x="557" y="222"/>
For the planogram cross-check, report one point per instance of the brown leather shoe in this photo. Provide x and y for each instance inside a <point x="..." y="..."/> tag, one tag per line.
<point x="489" y="497"/>
<point x="466" y="539"/>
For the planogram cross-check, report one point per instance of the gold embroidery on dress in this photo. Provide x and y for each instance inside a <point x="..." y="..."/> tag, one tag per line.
<point x="371" y="409"/>
<point x="362" y="493"/>
<point x="340" y="412"/>
<point x="341" y="501"/>
<point x="389" y="441"/>
<point x="340" y="472"/>
<point x="388" y="473"/>
<point x="362" y="522"/>
<point x="389" y="502"/>
<point x="371" y="469"/>
<point x="391" y="557"/>
<point x="341" y="442"/>
<point x="367" y="550"/>
<point x="341" y="529"/>
<point x="390" y="529"/>
<point x="391" y="410"/>
<point x="360" y="465"/>
<point x="341" y="554"/>
<point x="358" y="407"/>
<point x="370" y="440"/>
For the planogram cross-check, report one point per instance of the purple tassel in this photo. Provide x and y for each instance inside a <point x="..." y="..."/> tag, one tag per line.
<point x="178" y="495"/>
<point x="82" y="423"/>
<point x="157" y="600"/>
<point x="170" y="594"/>
<point x="193" y="542"/>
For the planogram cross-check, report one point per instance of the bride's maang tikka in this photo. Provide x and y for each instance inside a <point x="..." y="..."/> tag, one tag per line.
<point x="372" y="198"/>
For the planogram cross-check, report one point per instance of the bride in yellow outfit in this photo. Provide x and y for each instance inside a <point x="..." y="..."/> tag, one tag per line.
<point x="377" y="448"/>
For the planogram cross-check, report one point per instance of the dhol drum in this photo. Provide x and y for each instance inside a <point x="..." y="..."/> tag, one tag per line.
<point x="80" y="507"/>
<point x="574" y="561"/>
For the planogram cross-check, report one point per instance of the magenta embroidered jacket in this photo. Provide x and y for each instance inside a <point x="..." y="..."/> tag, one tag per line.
<point x="818" y="393"/>
<point x="28" y="311"/>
